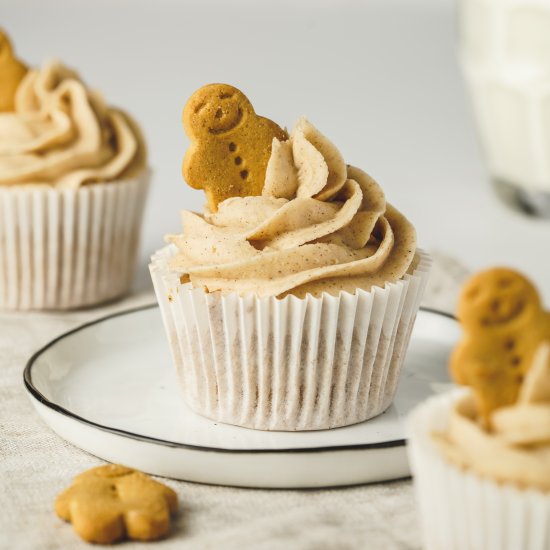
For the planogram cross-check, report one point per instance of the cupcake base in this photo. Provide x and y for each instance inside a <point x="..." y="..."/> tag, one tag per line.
<point x="69" y="248"/>
<point x="460" y="510"/>
<point x="288" y="364"/>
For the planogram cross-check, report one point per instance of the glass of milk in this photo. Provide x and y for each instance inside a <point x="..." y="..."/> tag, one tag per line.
<point x="505" y="55"/>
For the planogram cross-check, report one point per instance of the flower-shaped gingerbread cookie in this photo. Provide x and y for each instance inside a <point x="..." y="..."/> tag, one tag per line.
<point x="112" y="502"/>
<point x="503" y="323"/>
<point x="230" y="144"/>
<point x="12" y="72"/>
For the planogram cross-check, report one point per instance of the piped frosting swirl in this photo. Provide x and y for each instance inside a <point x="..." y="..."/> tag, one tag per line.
<point x="63" y="134"/>
<point x="319" y="226"/>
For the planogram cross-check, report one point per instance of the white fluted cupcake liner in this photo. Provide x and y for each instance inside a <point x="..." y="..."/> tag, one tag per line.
<point x="461" y="510"/>
<point x="69" y="248"/>
<point x="288" y="364"/>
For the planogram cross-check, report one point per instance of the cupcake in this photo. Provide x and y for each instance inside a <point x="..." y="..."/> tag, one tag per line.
<point x="73" y="183"/>
<point x="289" y="302"/>
<point x="481" y="456"/>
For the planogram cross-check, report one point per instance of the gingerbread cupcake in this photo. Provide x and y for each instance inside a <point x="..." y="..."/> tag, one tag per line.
<point x="481" y="457"/>
<point x="73" y="182"/>
<point x="289" y="302"/>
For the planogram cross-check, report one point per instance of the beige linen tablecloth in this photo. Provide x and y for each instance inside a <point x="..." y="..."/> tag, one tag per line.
<point x="36" y="464"/>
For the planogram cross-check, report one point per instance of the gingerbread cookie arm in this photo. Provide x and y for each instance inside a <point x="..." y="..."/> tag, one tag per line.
<point x="274" y="129"/>
<point x="191" y="170"/>
<point x="467" y="370"/>
<point x="456" y="364"/>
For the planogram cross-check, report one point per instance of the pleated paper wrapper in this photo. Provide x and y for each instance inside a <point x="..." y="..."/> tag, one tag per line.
<point x="288" y="364"/>
<point x="463" y="511"/>
<point x="69" y="248"/>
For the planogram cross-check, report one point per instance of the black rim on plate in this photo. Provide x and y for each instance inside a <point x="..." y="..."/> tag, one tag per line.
<point x="27" y="378"/>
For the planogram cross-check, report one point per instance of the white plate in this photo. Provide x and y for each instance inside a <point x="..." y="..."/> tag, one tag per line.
<point x="109" y="388"/>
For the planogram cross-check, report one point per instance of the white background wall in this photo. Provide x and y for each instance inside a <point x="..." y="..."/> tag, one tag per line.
<point x="378" y="77"/>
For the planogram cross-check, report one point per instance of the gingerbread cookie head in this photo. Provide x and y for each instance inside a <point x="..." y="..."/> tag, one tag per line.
<point x="12" y="72"/>
<point x="230" y="144"/>
<point x="498" y="298"/>
<point x="215" y="109"/>
<point x="111" y="503"/>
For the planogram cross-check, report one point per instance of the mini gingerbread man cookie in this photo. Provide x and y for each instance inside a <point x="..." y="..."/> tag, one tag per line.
<point x="12" y="72"/>
<point x="230" y="144"/>
<point x="504" y="323"/>
<point x="112" y="502"/>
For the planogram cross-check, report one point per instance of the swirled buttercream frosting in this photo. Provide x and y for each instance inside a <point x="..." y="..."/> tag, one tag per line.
<point x="319" y="226"/>
<point x="62" y="134"/>
<point x="517" y="448"/>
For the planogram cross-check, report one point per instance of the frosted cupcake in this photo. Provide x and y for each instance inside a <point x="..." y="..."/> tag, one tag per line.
<point x="73" y="184"/>
<point x="481" y="457"/>
<point x="289" y="305"/>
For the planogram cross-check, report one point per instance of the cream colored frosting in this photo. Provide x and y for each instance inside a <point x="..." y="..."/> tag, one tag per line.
<point x="319" y="226"/>
<point x="517" y="450"/>
<point x="62" y="134"/>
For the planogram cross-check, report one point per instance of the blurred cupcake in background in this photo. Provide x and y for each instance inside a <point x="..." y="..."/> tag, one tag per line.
<point x="480" y="456"/>
<point x="73" y="183"/>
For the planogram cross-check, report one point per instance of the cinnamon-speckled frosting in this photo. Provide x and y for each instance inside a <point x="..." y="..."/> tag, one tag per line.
<point x="517" y="448"/>
<point x="63" y="134"/>
<point x="319" y="226"/>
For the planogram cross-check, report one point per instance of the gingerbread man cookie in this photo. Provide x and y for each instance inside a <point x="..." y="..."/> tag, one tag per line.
<point x="12" y="72"/>
<point x="110" y="503"/>
<point x="230" y="144"/>
<point x="503" y="323"/>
